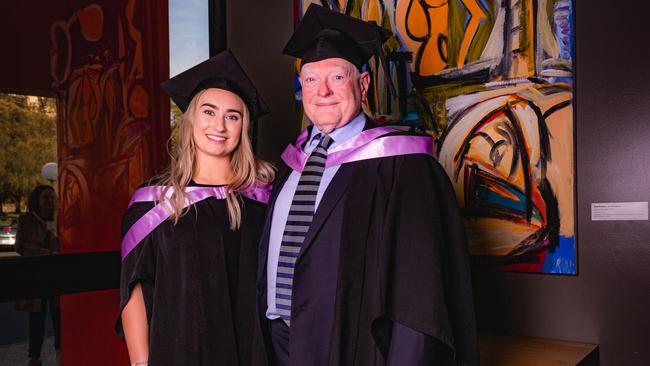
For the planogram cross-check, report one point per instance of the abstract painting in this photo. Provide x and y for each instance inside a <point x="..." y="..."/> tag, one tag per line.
<point x="492" y="82"/>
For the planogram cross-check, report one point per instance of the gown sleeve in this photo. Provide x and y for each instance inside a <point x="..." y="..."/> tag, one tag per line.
<point x="430" y="289"/>
<point x="139" y="265"/>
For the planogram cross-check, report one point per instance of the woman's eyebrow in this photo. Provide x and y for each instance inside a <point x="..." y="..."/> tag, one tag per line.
<point x="233" y="110"/>
<point x="209" y="105"/>
<point x="229" y="110"/>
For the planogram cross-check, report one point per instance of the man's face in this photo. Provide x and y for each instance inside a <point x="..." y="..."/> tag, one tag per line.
<point x="332" y="92"/>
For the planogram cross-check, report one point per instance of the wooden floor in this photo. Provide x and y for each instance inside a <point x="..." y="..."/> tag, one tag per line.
<point x="507" y="350"/>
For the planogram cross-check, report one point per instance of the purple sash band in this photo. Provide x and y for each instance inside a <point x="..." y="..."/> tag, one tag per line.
<point x="152" y="193"/>
<point x="259" y="193"/>
<point x="368" y="144"/>
<point x="149" y="221"/>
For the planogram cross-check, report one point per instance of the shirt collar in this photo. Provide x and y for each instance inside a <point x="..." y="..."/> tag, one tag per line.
<point x="341" y="134"/>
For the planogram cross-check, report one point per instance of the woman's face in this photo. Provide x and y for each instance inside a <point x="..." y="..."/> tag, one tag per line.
<point x="46" y="203"/>
<point x="217" y="124"/>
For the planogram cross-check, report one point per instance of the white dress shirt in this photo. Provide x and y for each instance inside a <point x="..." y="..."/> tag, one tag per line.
<point x="283" y="202"/>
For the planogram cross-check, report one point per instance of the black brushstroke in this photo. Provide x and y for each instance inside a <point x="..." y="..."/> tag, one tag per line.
<point x="506" y="62"/>
<point x="556" y="108"/>
<point x="544" y="138"/>
<point x="475" y="77"/>
<point x="402" y="59"/>
<point x="525" y="159"/>
<point x="442" y="44"/>
<point x="325" y="4"/>
<point x="505" y="128"/>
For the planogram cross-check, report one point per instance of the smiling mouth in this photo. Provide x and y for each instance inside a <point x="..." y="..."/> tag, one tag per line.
<point x="216" y="138"/>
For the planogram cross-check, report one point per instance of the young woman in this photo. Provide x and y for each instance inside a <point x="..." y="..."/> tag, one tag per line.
<point x="189" y="244"/>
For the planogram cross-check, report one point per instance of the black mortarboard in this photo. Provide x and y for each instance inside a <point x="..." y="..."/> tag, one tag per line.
<point x="324" y="34"/>
<point x="222" y="71"/>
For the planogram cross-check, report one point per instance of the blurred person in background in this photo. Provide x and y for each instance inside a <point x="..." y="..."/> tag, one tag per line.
<point x="37" y="236"/>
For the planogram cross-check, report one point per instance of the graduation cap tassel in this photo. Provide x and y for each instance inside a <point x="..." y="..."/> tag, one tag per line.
<point x="379" y="52"/>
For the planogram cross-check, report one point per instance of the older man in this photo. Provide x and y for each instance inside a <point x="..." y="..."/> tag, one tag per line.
<point x="363" y="259"/>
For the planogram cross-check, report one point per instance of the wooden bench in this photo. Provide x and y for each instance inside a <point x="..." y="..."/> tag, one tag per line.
<point x="512" y="350"/>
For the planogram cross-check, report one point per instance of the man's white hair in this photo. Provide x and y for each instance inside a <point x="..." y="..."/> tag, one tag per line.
<point x="355" y="71"/>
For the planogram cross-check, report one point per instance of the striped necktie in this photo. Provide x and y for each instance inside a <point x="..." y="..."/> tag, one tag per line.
<point x="300" y="217"/>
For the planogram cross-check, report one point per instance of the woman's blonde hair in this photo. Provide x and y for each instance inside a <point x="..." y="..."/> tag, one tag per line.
<point x="248" y="171"/>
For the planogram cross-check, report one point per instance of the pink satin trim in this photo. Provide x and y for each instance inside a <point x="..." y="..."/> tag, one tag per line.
<point x="368" y="144"/>
<point x="259" y="193"/>
<point x="149" y="221"/>
<point x="152" y="193"/>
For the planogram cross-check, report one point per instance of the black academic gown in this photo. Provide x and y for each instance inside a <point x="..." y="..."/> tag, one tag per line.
<point x="386" y="246"/>
<point x="198" y="281"/>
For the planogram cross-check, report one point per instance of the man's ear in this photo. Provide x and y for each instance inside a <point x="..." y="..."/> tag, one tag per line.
<point x="364" y="82"/>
